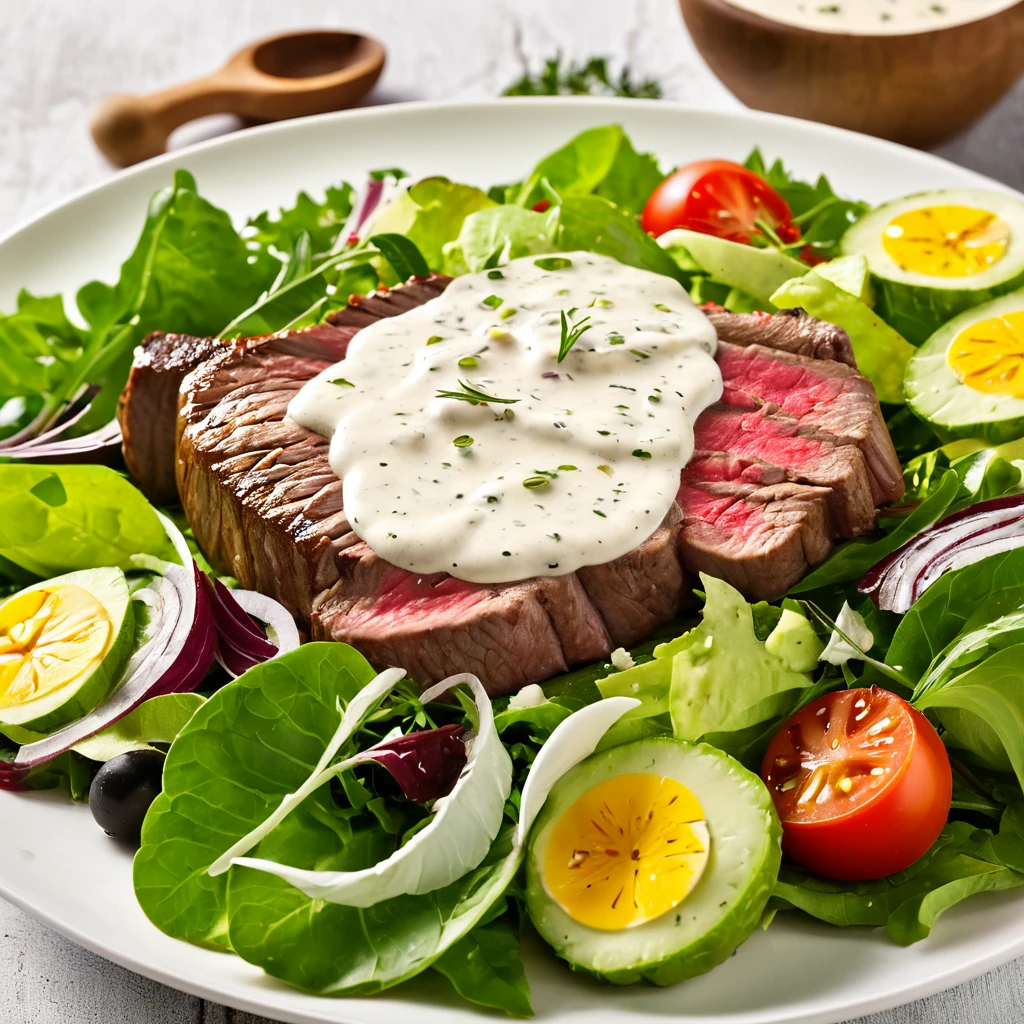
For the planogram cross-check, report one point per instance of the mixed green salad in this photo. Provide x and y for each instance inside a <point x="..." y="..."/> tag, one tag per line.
<point x="853" y="752"/>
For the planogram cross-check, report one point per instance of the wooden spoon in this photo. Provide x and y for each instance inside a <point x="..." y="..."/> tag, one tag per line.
<point x="919" y="89"/>
<point x="284" y="76"/>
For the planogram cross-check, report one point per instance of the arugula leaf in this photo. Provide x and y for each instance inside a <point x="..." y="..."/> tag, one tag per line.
<point x="405" y="259"/>
<point x="103" y="520"/>
<point x="320" y="222"/>
<point x="963" y="861"/>
<point x="599" y="161"/>
<point x="823" y="216"/>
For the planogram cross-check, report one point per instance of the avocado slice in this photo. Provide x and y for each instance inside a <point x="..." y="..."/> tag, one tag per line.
<point x="713" y="918"/>
<point x="65" y="642"/>
<point x="757" y="272"/>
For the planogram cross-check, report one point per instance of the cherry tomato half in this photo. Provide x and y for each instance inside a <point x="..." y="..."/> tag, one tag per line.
<point x="718" y="197"/>
<point x="861" y="782"/>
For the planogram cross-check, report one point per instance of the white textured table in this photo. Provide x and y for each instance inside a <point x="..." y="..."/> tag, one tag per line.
<point x="60" y="56"/>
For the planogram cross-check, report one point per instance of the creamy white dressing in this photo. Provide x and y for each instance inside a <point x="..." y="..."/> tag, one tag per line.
<point x="874" y="17"/>
<point x="577" y="467"/>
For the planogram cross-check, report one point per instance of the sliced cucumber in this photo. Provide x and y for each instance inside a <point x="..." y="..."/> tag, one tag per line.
<point x="912" y="291"/>
<point x="722" y="908"/>
<point x="988" y="405"/>
<point x="65" y="643"/>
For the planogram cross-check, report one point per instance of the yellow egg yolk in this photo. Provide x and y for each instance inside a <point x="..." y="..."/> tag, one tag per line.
<point x="49" y="638"/>
<point x="988" y="356"/>
<point x="946" y="241"/>
<point x="627" y="851"/>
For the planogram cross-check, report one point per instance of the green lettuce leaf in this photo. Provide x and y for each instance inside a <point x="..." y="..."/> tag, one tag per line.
<point x="55" y="519"/>
<point x="250" y="744"/>
<point x="510" y="231"/>
<point x="719" y="682"/>
<point x="593" y="224"/>
<point x="881" y="353"/>
<point x="486" y="968"/>
<point x="430" y="214"/>
<point x="599" y="161"/>
<point x="157" y="720"/>
<point x="957" y="602"/>
<point x="963" y="861"/>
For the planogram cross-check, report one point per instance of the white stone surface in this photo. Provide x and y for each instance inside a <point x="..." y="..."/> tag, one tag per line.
<point x="58" y="57"/>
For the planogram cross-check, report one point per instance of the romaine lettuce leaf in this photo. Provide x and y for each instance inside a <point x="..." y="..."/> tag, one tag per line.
<point x="718" y="681"/>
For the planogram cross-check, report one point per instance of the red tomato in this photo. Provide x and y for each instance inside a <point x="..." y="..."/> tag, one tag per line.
<point x="861" y="782"/>
<point x="718" y="197"/>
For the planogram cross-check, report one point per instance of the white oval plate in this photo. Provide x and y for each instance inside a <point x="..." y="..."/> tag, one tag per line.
<point x="56" y="864"/>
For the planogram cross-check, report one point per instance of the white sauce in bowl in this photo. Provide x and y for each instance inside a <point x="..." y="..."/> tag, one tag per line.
<point x="577" y="467"/>
<point x="874" y="17"/>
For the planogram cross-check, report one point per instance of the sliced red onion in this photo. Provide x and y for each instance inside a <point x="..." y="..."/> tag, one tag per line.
<point x="241" y="643"/>
<point x="966" y="537"/>
<point x="100" y="446"/>
<point x="11" y="778"/>
<point x="174" y="660"/>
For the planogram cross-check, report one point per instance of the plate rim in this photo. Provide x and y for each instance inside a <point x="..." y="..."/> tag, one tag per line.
<point x="742" y="117"/>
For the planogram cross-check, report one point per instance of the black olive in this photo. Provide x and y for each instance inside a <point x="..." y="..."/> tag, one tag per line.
<point x="123" y="790"/>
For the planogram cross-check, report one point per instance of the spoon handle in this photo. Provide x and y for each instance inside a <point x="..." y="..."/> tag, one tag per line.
<point x="129" y="128"/>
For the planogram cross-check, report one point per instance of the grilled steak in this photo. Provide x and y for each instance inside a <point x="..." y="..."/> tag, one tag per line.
<point x="795" y="453"/>
<point x="791" y="330"/>
<point x="148" y="408"/>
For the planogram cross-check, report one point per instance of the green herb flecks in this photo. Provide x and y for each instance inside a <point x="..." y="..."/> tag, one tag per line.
<point x="342" y="383"/>
<point x="553" y="263"/>
<point x="492" y="301"/>
<point x="463" y="441"/>
<point x="535" y="482"/>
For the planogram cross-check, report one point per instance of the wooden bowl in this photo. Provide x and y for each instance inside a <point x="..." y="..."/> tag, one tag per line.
<point x="919" y="89"/>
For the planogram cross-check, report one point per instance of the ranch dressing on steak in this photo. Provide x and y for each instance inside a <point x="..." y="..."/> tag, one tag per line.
<point x="466" y="447"/>
<point x="874" y="17"/>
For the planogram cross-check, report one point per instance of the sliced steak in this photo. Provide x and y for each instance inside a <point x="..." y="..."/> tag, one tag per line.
<point x="148" y="408"/>
<point x="826" y="398"/>
<point x="790" y="330"/>
<point x="765" y="437"/>
<point x="744" y="524"/>
<point x="508" y="634"/>
<point x="266" y="507"/>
